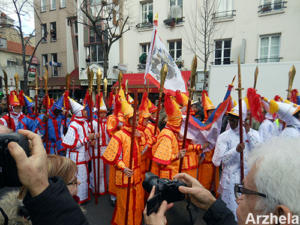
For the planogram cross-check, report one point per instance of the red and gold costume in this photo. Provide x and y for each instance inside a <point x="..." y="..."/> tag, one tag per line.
<point x="190" y="160"/>
<point x="166" y="150"/>
<point x="118" y="153"/>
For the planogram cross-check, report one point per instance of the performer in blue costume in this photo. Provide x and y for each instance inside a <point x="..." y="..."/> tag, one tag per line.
<point x="55" y="119"/>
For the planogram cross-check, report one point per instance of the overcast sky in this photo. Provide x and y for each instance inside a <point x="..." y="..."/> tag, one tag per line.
<point x="27" y="17"/>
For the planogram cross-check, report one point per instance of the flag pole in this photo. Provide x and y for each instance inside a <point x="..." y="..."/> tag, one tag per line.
<point x="131" y="154"/>
<point x="191" y="92"/>
<point x="239" y="89"/>
<point x="68" y="81"/>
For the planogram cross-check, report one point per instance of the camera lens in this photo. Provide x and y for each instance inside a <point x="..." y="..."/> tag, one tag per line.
<point x="150" y="181"/>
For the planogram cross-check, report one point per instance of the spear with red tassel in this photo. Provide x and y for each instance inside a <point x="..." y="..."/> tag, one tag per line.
<point x="191" y="92"/>
<point x="99" y="76"/>
<point x="7" y="97"/>
<point x="47" y="107"/>
<point x="131" y="153"/>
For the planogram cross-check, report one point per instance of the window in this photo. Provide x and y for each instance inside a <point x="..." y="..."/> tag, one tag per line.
<point x="54" y="64"/>
<point x="224" y="9"/>
<point x="175" y="49"/>
<point x="269" y="5"/>
<point x="43" y="5"/>
<point x="53" y="31"/>
<point x="52" y="4"/>
<point x="11" y="62"/>
<point x="44" y="32"/>
<point x="147" y="12"/>
<point x="222" y="51"/>
<point x="144" y="53"/>
<point x="269" y="48"/>
<point x="96" y="54"/>
<point x="176" y="8"/>
<point x="44" y="60"/>
<point x="62" y="3"/>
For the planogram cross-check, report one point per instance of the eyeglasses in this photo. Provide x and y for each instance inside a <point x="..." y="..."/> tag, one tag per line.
<point x="240" y="190"/>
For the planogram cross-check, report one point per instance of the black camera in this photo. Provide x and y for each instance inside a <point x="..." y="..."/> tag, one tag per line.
<point x="164" y="190"/>
<point x="8" y="169"/>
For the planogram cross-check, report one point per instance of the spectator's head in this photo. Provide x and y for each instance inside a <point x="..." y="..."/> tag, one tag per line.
<point x="233" y="121"/>
<point x="274" y="173"/>
<point x="64" y="168"/>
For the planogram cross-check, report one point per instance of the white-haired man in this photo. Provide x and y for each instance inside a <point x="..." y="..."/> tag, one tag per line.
<point x="270" y="193"/>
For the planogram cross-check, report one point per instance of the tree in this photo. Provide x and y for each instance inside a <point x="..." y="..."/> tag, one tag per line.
<point x="106" y="20"/>
<point x="22" y="7"/>
<point x="202" y="29"/>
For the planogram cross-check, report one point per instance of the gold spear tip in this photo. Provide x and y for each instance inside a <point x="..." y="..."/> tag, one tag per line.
<point x="256" y="71"/>
<point x="293" y="70"/>
<point x="99" y="73"/>
<point x="233" y="80"/>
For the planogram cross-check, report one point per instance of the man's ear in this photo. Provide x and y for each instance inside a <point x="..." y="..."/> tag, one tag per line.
<point x="282" y="210"/>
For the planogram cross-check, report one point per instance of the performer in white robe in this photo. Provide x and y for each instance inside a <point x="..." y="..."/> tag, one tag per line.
<point x="268" y="129"/>
<point x="102" y="181"/>
<point x="290" y="114"/>
<point x="76" y="143"/>
<point x="226" y="153"/>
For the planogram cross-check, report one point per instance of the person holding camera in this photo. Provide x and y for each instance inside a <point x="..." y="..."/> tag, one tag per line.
<point x="166" y="152"/>
<point x="48" y="200"/>
<point x="269" y="193"/>
<point x="118" y="154"/>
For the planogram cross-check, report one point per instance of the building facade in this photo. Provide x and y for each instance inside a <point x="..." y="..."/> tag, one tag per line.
<point x="55" y="23"/>
<point x="261" y="31"/>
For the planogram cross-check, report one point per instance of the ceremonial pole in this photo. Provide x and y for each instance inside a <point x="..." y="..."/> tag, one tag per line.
<point x="105" y="87"/>
<point x="292" y="74"/>
<point x="47" y="100"/>
<point x="131" y="154"/>
<point x="90" y="102"/>
<point x="191" y="92"/>
<point x="16" y="77"/>
<point x="99" y="77"/>
<point x="7" y="97"/>
<point x="239" y="89"/>
<point x="36" y="95"/>
<point x="254" y="87"/>
<point x="163" y="75"/>
<point x="68" y="81"/>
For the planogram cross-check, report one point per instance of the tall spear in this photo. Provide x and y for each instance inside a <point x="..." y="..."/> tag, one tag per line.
<point x="36" y="95"/>
<point x="47" y="100"/>
<point x="90" y="100"/>
<point x="191" y="92"/>
<point x="163" y="75"/>
<point x="99" y="77"/>
<point x="254" y="87"/>
<point x="131" y="153"/>
<point x="16" y="77"/>
<point x="105" y="87"/>
<point x="68" y="82"/>
<point x="239" y="89"/>
<point x="7" y="97"/>
<point x="292" y="74"/>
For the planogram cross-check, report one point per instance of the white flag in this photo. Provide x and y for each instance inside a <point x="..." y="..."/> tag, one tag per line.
<point x="157" y="57"/>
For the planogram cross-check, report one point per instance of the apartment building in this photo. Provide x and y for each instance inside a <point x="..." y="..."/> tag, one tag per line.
<point x="259" y="31"/>
<point x="56" y="25"/>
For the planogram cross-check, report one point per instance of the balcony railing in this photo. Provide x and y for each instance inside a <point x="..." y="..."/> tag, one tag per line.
<point x="144" y="25"/>
<point x="173" y="21"/>
<point x="266" y="60"/>
<point x="141" y="66"/>
<point x="269" y="7"/>
<point x="224" y="14"/>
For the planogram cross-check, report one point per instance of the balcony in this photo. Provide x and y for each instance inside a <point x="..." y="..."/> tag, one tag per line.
<point x="268" y="8"/>
<point x="144" y="26"/>
<point x="171" y="22"/>
<point x="224" y="15"/>
<point x="267" y="60"/>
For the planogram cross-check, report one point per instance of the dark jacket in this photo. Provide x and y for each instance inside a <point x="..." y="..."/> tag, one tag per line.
<point x="219" y="214"/>
<point x="54" y="205"/>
